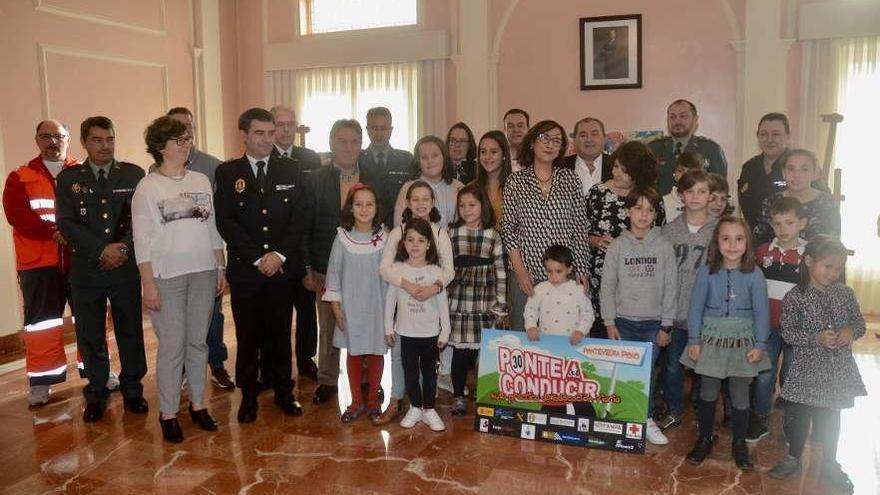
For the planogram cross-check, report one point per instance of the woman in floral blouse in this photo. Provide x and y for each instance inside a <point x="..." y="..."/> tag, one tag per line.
<point x="634" y="166"/>
<point x="543" y="205"/>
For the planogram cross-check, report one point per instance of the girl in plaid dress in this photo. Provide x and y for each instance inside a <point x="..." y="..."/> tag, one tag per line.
<point x="477" y="294"/>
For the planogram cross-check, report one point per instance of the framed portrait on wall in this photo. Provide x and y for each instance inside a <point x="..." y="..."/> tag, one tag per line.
<point x="611" y="52"/>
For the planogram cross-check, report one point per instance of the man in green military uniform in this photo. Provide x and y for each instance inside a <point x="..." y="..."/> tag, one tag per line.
<point x="94" y="214"/>
<point x="682" y="122"/>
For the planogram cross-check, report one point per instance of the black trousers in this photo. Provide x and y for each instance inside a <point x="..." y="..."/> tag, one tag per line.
<point x="306" y="323"/>
<point x="826" y="429"/>
<point x="419" y="354"/>
<point x="263" y="313"/>
<point x="90" y="311"/>
<point x="44" y="293"/>
<point x="462" y="362"/>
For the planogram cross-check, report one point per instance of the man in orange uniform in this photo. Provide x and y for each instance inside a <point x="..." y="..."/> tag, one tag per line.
<point x="29" y="203"/>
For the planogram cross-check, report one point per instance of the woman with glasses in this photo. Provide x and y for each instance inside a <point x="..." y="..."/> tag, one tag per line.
<point x="543" y="205"/>
<point x="634" y="167"/>
<point x="180" y="257"/>
<point x="462" y="151"/>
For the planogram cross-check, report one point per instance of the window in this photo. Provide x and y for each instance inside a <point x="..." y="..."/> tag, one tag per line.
<point x="325" y="95"/>
<point x="329" y="16"/>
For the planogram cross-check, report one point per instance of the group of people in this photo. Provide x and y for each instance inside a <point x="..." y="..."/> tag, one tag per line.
<point x="381" y="250"/>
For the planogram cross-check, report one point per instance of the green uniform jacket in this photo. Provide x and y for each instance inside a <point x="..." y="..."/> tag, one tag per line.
<point x="663" y="149"/>
<point x="90" y="219"/>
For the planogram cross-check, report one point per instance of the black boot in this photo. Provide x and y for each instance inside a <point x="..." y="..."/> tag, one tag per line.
<point x="740" y="452"/>
<point x="706" y="420"/>
<point x="701" y="450"/>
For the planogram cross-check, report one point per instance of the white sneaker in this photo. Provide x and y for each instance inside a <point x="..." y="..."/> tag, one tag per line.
<point x="112" y="381"/>
<point x="432" y="419"/>
<point x="653" y="433"/>
<point x="444" y="382"/>
<point x="39" y="395"/>
<point x="412" y="417"/>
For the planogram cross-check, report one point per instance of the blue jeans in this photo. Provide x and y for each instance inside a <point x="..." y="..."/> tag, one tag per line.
<point x="642" y="331"/>
<point x="674" y="373"/>
<point x="765" y="382"/>
<point x="217" y="353"/>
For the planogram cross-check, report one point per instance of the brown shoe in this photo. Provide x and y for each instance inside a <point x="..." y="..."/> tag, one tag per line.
<point x="390" y="414"/>
<point x="222" y="379"/>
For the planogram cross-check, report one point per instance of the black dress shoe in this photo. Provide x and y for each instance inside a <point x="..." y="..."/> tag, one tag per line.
<point x="94" y="411"/>
<point x="137" y="405"/>
<point x="247" y="411"/>
<point x="287" y="404"/>
<point x="203" y="419"/>
<point x="171" y="430"/>
<point x="323" y="393"/>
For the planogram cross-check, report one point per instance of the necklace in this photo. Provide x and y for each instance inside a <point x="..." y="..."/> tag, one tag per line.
<point x="175" y="179"/>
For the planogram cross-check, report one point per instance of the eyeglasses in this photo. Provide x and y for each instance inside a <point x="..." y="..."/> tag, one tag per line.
<point x="546" y="139"/>
<point x="455" y="142"/>
<point x="182" y="140"/>
<point x="50" y="137"/>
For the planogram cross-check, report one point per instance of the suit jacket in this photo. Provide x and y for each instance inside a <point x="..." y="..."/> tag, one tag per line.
<point x="570" y="161"/>
<point x="91" y="218"/>
<point x="387" y="180"/>
<point x="254" y="223"/>
<point x="304" y="158"/>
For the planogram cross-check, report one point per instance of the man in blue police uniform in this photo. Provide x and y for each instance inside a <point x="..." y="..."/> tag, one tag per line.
<point x="682" y="121"/>
<point x="303" y="297"/>
<point x="263" y="208"/>
<point x="94" y="214"/>
<point x="381" y="165"/>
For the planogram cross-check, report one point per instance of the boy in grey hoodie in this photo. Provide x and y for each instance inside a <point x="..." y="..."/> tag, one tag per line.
<point x="637" y="295"/>
<point x="689" y="234"/>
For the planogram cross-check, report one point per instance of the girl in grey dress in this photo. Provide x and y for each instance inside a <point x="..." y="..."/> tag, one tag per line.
<point x="820" y="320"/>
<point x="356" y="293"/>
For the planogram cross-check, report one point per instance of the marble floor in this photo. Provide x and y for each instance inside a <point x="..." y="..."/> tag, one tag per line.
<point x="50" y="450"/>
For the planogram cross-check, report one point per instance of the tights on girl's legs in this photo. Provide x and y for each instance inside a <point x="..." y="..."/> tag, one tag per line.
<point x="462" y="362"/>
<point x="355" y="367"/>
<point x="420" y="354"/>
<point x="826" y="429"/>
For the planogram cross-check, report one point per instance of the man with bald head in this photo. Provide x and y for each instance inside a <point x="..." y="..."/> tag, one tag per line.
<point x="303" y="298"/>
<point x="29" y="203"/>
<point x="285" y="133"/>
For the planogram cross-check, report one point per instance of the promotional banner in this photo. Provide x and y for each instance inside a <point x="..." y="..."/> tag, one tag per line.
<point x="594" y="394"/>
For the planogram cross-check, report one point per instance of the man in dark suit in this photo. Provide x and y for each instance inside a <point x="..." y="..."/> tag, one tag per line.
<point x="263" y="205"/>
<point x="303" y="297"/>
<point x="682" y="122"/>
<point x="94" y="215"/>
<point x="591" y="163"/>
<point x="285" y="133"/>
<point x="380" y="164"/>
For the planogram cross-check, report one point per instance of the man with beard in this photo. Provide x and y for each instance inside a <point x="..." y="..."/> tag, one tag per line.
<point x="682" y="122"/>
<point x="29" y="203"/>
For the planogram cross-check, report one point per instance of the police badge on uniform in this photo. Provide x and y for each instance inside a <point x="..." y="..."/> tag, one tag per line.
<point x="239" y="186"/>
<point x="75" y="188"/>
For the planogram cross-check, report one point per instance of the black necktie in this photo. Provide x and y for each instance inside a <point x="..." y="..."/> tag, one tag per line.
<point x="261" y="175"/>
<point x="380" y="159"/>
<point x="102" y="179"/>
<point x="677" y="148"/>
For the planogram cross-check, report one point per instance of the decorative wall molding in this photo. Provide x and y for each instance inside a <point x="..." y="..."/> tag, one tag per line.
<point x="44" y="6"/>
<point x="43" y="60"/>
<point x="495" y="60"/>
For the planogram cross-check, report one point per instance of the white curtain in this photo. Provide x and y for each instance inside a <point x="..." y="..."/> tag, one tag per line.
<point x="413" y="92"/>
<point x="843" y="75"/>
